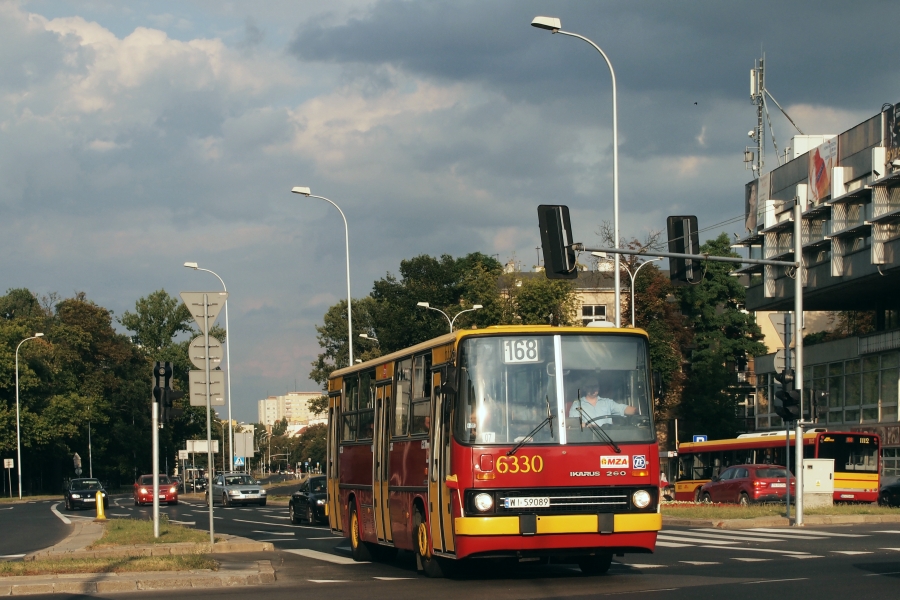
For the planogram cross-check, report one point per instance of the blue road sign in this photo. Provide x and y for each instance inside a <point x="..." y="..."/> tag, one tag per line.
<point x="701" y="438"/>
<point x="239" y="461"/>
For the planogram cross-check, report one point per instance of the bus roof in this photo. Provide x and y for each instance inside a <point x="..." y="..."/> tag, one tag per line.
<point x="458" y="335"/>
<point x="763" y="439"/>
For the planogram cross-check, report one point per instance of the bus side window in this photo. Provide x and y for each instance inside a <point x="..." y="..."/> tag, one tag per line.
<point x="421" y="399"/>
<point x="402" y="397"/>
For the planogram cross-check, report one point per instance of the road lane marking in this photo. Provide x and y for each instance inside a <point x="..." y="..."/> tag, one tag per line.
<point x="393" y="578"/>
<point x="337" y="537"/>
<point x="770" y="550"/>
<point x="58" y="514"/>
<point x="701" y="563"/>
<point x="12" y="556"/>
<point x="183" y="522"/>
<point x="867" y="575"/>
<point x="272" y="532"/>
<point x="672" y="538"/>
<point x="672" y="544"/>
<point x="808" y="534"/>
<point x="328" y="580"/>
<point x="888" y="531"/>
<point x="849" y="552"/>
<point x="774" y="580"/>
<point x="275" y="524"/>
<point x="10" y="508"/>
<point x="752" y="559"/>
<point x="332" y="558"/>
<point x="894" y="549"/>
<point x="641" y="566"/>
<point x="729" y="535"/>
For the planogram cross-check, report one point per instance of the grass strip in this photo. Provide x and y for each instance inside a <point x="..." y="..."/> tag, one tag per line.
<point x="702" y="510"/>
<point x="130" y="532"/>
<point x="126" y="564"/>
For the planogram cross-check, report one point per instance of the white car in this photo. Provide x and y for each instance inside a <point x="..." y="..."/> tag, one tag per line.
<point x="236" y="488"/>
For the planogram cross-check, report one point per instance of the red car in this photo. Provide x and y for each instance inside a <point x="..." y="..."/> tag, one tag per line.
<point x="745" y="484"/>
<point x="143" y="490"/>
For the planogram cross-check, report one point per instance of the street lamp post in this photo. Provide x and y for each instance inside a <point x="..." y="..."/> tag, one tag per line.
<point x="366" y="336"/>
<point x="193" y="265"/>
<point x="449" y="320"/>
<point x="18" y="425"/>
<point x="631" y="275"/>
<point x="304" y="191"/>
<point x="554" y="25"/>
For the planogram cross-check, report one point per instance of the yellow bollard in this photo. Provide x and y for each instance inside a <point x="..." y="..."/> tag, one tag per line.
<point x="101" y="514"/>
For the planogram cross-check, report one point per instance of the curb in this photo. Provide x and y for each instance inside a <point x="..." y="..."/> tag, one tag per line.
<point x="780" y="521"/>
<point x="100" y="583"/>
<point x="229" y="547"/>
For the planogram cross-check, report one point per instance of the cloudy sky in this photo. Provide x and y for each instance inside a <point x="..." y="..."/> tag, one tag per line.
<point x="135" y="136"/>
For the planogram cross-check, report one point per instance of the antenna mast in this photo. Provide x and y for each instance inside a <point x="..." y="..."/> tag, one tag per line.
<point x="754" y="158"/>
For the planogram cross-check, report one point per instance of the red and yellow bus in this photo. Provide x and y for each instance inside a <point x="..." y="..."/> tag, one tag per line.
<point x="473" y="445"/>
<point x="856" y="460"/>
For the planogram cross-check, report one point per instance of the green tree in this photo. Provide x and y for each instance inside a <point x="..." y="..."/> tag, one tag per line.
<point x="280" y="427"/>
<point x="723" y="331"/>
<point x="332" y="336"/>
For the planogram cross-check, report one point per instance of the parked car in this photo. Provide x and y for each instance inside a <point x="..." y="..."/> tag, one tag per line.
<point x="889" y="495"/>
<point x="309" y="502"/>
<point x="179" y="482"/>
<point x="199" y="485"/>
<point x="746" y="484"/>
<point x="143" y="490"/>
<point x="236" y="488"/>
<point x="82" y="493"/>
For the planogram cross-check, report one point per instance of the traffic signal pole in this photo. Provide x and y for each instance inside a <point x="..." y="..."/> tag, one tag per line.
<point x="154" y="425"/>
<point x="798" y="351"/>
<point x="212" y="465"/>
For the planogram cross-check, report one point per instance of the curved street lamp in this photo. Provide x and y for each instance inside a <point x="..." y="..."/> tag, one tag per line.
<point x="449" y="320"/>
<point x="304" y="191"/>
<point x="366" y="336"/>
<point x="18" y="425"/>
<point x="633" y="276"/>
<point x="554" y="25"/>
<point x="193" y="265"/>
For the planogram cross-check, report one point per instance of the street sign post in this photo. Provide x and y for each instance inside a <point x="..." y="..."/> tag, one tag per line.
<point x="205" y="307"/>
<point x="9" y="464"/>
<point x="701" y="438"/>
<point x="198" y="388"/>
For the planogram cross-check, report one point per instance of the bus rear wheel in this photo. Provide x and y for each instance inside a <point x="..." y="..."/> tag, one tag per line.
<point x="358" y="548"/>
<point x="598" y="564"/>
<point x="426" y="561"/>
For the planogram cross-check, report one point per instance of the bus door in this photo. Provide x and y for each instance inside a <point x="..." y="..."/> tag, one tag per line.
<point x="332" y="463"/>
<point x="381" y="462"/>
<point x="438" y="463"/>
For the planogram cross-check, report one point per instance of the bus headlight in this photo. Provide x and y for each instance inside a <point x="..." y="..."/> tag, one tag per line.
<point x="484" y="502"/>
<point x="641" y="499"/>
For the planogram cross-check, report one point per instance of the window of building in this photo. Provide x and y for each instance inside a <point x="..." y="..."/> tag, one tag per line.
<point x="890" y="374"/>
<point x="890" y="462"/>
<point x="592" y="312"/>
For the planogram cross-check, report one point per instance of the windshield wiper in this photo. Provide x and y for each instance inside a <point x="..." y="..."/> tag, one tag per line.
<point x="524" y="440"/>
<point x="597" y="429"/>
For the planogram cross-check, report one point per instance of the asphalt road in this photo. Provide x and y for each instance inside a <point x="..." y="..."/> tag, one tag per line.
<point x="826" y="563"/>
<point x="28" y="527"/>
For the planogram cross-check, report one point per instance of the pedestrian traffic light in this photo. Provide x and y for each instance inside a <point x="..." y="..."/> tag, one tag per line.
<point x="684" y="238"/>
<point x="787" y="400"/>
<point x="556" y="242"/>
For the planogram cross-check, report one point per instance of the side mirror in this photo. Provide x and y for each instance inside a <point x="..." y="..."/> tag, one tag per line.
<point x="715" y="478"/>
<point x="448" y="381"/>
<point x="657" y="385"/>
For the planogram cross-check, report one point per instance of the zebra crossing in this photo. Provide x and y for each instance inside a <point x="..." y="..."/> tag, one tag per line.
<point x="751" y="545"/>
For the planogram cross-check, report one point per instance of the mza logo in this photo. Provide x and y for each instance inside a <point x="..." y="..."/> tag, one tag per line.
<point x="640" y="461"/>
<point x="609" y="462"/>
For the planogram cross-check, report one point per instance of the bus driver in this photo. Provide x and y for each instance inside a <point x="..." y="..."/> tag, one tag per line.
<point x="595" y="406"/>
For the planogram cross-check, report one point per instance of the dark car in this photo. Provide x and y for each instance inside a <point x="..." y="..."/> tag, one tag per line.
<point x="81" y="493"/>
<point x="746" y="484"/>
<point x="310" y="501"/>
<point x="889" y="495"/>
<point x="199" y="485"/>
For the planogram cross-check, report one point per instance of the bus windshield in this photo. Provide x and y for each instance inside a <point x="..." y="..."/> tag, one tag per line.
<point x="510" y="384"/>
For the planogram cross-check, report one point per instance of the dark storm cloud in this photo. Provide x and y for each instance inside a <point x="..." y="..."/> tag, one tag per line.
<point x="819" y="52"/>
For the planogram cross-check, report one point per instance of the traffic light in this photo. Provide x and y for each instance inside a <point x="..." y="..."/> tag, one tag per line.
<point x="556" y="242"/>
<point x="787" y="400"/>
<point x="164" y="393"/>
<point x="684" y="238"/>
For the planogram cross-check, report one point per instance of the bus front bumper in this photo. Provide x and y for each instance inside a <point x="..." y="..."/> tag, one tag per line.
<point x="554" y="533"/>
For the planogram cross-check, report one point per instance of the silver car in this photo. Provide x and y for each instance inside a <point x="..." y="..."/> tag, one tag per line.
<point x="236" y="488"/>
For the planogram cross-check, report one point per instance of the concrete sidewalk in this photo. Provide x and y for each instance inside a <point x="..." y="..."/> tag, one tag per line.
<point x="233" y="571"/>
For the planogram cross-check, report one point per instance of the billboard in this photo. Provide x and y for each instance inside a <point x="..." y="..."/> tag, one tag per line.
<point x="822" y="159"/>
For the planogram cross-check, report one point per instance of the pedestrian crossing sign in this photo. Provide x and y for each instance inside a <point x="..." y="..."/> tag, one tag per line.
<point x="239" y="461"/>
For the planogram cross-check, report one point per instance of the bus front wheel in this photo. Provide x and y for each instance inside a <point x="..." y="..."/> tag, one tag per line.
<point x="425" y="559"/>
<point x="358" y="548"/>
<point x="598" y="564"/>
